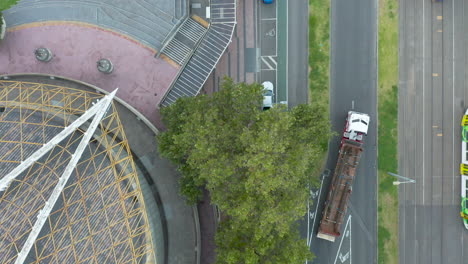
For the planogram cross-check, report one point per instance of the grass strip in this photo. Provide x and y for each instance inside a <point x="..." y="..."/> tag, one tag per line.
<point x="319" y="52"/>
<point x="319" y="63"/>
<point x="319" y="58"/>
<point x="387" y="138"/>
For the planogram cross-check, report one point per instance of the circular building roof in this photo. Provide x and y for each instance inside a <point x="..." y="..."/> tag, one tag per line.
<point x="99" y="215"/>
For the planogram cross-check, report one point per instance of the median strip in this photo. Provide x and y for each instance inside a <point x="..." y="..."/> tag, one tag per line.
<point x="387" y="137"/>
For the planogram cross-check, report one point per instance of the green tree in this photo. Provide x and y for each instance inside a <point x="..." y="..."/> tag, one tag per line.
<point x="246" y="243"/>
<point x="5" y="4"/>
<point x="256" y="164"/>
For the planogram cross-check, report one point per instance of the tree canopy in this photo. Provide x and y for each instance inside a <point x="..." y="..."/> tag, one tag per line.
<point x="256" y="165"/>
<point x="5" y="4"/>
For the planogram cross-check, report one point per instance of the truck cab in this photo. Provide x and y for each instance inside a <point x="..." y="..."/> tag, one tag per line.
<point x="341" y="187"/>
<point x="357" y="125"/>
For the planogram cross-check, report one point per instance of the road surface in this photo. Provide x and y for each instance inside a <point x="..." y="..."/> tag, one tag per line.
<point x="432" y="99"/>
<point x="297" y="52"/>
<point x="353" y="86"/>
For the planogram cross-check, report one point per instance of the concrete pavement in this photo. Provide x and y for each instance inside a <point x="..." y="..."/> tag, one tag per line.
<point x="234" y="62"/>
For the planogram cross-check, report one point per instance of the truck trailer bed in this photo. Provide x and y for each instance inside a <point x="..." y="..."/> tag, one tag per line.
<point x="340" y="190"/>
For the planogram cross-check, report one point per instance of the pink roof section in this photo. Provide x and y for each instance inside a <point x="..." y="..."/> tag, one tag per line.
<point x="141" y="78"/>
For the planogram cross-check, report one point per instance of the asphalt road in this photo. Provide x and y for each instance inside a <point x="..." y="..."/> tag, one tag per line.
<point x="283" y="42"/>
<point x="353" y="86"/>
<point x="432" y="99"/>
<point x="297" y="52"/>
<point x="267" y="42"/>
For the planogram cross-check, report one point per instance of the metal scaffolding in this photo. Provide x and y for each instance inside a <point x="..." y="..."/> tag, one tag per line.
<point x="69" y="192"/>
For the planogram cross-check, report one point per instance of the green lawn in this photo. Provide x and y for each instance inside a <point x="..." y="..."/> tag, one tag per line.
<point x="387" y="138"/>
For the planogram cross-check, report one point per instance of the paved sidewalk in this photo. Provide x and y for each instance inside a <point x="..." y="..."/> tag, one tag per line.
<point x="142" y="79"/>
<point x="208" y="226"/>
<point x="233" y="64"/>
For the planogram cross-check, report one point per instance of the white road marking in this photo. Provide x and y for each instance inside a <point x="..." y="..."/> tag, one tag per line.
<point x="344" y="258"/>
<point x="271" y="33"/>
<point x="266" y="62"/>
<point x="308" y="222"/>
<point x="276" y="25"/>
<point x="312" y="216"/>
<point x="313" y="194"/>
<point x="287" y="51"/>
<point x="423" y="129"/>
<point x="269" y="19"/>
<point x="258" y="39"/>
<point x="272" y="58"/>
<point x="276" y="53"/>
<point x="341" y="242"/>
<point x="453" y="101"/>
<point x="464" y="82"/>
<point x="352" y="104"/>
<point x="309" y="240"/>
<point x="404" y="153"/>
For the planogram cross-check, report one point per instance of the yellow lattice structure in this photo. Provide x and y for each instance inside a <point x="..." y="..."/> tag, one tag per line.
<point x="100" y="216"/>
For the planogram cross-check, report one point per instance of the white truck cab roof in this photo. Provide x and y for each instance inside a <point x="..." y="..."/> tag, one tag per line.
<point x="357" y="125"/>
<point x="358" y="122"/>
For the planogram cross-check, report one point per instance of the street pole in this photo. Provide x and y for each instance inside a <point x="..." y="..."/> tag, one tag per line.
<point x="407" y="180"/>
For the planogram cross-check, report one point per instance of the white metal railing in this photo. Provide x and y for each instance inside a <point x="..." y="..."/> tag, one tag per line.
<point x="221" y="14"/>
